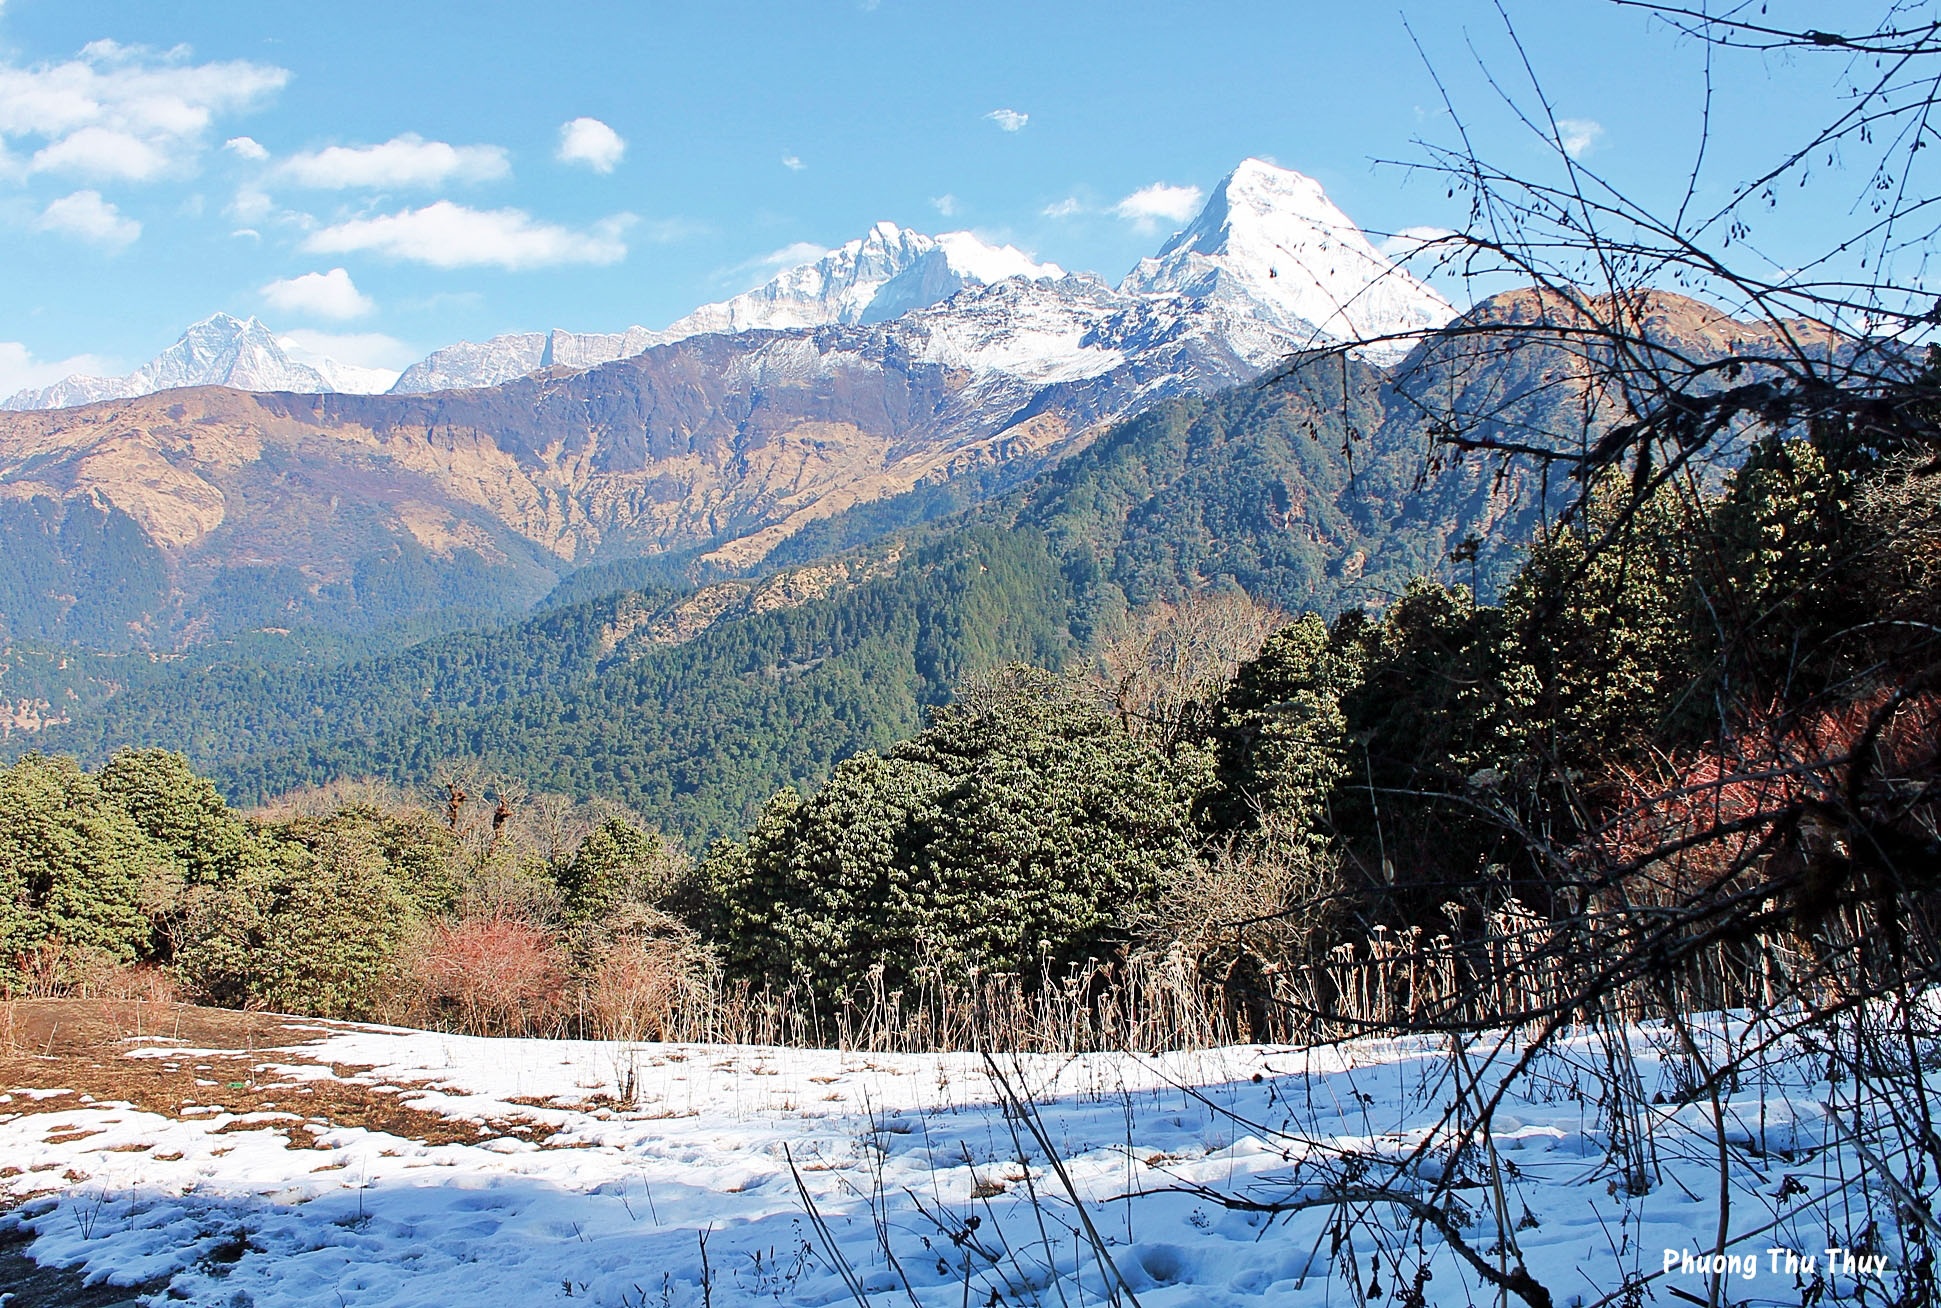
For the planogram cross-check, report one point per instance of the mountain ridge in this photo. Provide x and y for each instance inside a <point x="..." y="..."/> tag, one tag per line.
<point x="1260" y="222"/>
<point x="724" y="444"/>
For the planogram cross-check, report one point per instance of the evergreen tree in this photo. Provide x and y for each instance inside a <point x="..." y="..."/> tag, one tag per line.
<point x="183" y="814"/>
<point x="1015" y="833"/>
<point x="74" y="867"/>
<point x="1282" y="737"/>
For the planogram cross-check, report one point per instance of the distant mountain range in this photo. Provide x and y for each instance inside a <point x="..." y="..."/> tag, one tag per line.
<point x="694" y="697"/>
<point x="1269" y="253"/>
<point x="896" y="365"/>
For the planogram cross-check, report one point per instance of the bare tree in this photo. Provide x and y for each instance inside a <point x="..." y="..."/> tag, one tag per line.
<point x="1170" y="667"/>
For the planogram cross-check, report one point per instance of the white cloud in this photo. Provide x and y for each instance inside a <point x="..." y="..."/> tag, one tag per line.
<point x="793" y="163"/>
<point x="247" y="147"/>
<point x="125" y="111"/>
<point x="1147" y="205"/>
<point x="591" y="142"/>
<point x="447" y="235"/>
<point x="103" y="152"/>
<point x="1009" y="119"/>
<point x="668" y="231"/>
<point x="86" y="216"/>
<point x="407" y="160"/>
<point x="251" y="205"/>
<point x="764" y="266"/>
<point x="791" y="255"/>
<point x="322" y="295"/>
<point x="360" y="349"/>
<point x="1579" y="135"/>
<point x="20" y="370"/>
<point x="945" y="205"/>
<point x="1406" y="242"/>
<point x="1065" y="208"/>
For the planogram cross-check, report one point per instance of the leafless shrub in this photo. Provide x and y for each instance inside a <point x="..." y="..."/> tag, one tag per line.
<point x="332" y="797"/>
<point x="57" y="970"/>
<point x="641" y="987"/>
<point x="495" y="976"/>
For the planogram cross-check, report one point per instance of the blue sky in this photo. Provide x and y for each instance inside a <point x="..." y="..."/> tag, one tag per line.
<point x="382" y="179"/>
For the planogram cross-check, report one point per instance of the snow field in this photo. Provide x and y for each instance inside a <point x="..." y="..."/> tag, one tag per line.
<point x="688" y="1194"/>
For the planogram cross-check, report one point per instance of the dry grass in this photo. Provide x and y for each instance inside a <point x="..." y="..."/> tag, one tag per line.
<point x="82" y="1046"/>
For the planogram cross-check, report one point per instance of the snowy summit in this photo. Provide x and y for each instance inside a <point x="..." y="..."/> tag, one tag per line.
<point x="218" y="351"/>
<point x="1270" y="239"/>
<point x="884" y="275"/>
<point x="1269" y="266"/>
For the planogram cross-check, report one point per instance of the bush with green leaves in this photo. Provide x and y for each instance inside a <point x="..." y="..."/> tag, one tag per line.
<point x="1019" y="832"/>
<point x="1280" y="734"/>
<point x="621" y="880"/>
<point x="75" y="868"/>
<point x="301" y="926"/>
<point x="183" y="814"/>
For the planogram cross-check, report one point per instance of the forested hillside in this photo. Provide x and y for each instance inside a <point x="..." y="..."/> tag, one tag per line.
<point x="1250" y="488"/>
<point x="1316" y="491"/>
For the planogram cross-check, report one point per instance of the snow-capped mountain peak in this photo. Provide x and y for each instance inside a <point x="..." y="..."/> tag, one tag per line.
<point x="881" y="275"/>
<point x="220" y="350"/>
<point x="1270" y="241"/>
<point x="1270" y="265"/>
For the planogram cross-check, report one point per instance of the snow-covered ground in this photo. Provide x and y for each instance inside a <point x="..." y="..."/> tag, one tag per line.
<point x="671" y="1178"/>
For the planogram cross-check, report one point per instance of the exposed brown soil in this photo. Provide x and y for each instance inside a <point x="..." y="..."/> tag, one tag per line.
<point x="83" y="1046"/>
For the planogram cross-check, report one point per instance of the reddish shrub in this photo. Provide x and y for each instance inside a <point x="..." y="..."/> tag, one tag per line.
<point x="56" y="970"/>
<point x="487" y="976"/>
<point x="1698" y="823"/>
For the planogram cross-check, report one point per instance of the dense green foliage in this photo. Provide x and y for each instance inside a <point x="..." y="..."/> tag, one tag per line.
<point x="74" y="867"/>
<point x="304" y="926"/>
<point x="327" y="909"/>
<point x="1445" y="748"/>
<point x="80" y="573"/>
<point x="144" y="862"/>
<point x="1016" y="833"/>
